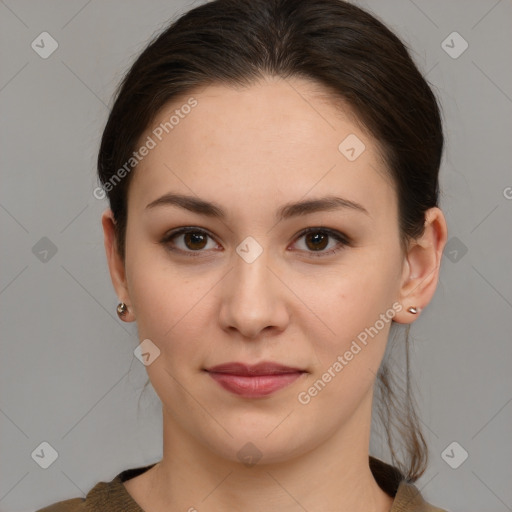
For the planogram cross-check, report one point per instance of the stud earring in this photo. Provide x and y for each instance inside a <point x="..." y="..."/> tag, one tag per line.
<point x="122" y="309"/>
<point x="412" y="310"/>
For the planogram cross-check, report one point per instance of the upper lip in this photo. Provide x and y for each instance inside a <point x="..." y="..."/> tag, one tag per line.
<point x="263" y="368"/>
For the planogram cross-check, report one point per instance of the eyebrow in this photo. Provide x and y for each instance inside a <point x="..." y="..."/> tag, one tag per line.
<point x="214" y="210"/>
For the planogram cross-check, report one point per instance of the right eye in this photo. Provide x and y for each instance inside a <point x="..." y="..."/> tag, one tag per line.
<point x="190" y="240"/>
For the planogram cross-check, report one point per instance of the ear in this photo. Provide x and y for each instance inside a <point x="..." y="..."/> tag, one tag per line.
<point x="421" y="266"/>
<point x="115" y="263"/>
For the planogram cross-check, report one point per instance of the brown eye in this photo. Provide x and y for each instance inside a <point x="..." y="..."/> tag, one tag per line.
<point x="189" y="241"/>
<point x="195" y="240"/>
<point x="317" y="240"/>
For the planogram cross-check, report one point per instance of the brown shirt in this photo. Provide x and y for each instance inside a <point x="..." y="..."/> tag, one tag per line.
<point x="113" y="497"/>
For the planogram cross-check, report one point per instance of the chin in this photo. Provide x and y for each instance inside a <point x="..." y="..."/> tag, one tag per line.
<point x="259" y="444"/>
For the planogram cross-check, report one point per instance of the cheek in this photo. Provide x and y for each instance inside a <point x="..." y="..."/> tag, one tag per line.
<point x="348" y="308"/>
<point x="169" y="316"/>
<point x="163" y="309"/>
<point x="170" y="308"/>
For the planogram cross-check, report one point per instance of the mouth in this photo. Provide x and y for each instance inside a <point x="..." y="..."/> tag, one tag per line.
<point x="254" y="381"/>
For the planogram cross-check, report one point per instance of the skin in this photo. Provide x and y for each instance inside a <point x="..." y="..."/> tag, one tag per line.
<point x="251" y="151"/>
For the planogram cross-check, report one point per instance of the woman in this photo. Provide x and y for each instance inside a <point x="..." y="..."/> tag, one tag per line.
<point x="272" y="171"/>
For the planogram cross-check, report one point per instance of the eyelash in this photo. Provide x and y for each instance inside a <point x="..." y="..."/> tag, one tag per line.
<point x="339" y="237"/>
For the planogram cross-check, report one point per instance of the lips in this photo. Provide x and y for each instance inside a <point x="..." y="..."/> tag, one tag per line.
<point x="253" y="381"/>
<point x="264" y="368"/>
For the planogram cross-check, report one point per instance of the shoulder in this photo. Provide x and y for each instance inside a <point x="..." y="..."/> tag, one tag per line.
<point x="409" y="498"/>
<point x="72" y="505"/>
<point x="110" y="496"/>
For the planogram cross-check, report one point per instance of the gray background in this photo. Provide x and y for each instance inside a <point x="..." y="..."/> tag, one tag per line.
<point x="68" y="375"/>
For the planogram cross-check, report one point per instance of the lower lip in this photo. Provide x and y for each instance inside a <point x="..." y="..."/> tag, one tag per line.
<point x="254" y="386"/>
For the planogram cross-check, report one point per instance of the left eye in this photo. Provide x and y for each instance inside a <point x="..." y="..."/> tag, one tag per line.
<point x="194" y="240"/>
<point x="317" y="239"/>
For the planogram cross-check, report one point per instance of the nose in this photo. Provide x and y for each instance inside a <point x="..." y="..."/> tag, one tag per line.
<point x="253" y="299"/>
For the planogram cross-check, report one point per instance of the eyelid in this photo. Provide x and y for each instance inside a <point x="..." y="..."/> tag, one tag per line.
<point x="340" y="237"/>
<point x="183" y="231"/>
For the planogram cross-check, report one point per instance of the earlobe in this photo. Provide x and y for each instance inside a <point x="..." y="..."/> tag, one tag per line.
<point x="422" y="265"/>
<point x="115" y="263"/>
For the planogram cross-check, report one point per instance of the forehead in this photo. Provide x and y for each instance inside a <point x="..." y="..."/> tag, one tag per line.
<point x="273" y="137"/>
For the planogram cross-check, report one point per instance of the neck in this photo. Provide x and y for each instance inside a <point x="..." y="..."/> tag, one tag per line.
<point x="333" y="476"/>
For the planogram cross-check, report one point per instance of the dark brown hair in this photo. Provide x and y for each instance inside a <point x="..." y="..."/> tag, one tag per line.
<point x="331" y="42"/>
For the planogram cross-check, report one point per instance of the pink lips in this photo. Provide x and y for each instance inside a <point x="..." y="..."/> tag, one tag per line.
<point x="254" y="381"/>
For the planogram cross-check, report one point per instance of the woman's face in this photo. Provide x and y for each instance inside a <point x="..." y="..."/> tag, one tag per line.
<point x="246" y="284"/>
